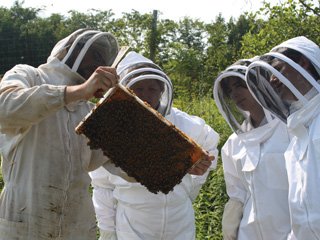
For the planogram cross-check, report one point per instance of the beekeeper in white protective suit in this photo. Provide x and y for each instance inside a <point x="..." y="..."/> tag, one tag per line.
<point x="45" y="163"/>
<point x="290" y="89"/>
<point x="140" y="214"/>
<point x="253" y="162"/>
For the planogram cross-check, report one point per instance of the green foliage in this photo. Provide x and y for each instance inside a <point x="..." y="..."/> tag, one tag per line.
<point x="221" y="48"/>
<point x="281" y="23"/>
<point x="210" y="202"/>
<point x="209" y="206"/>
<point x="204" y="106"/>
<point x="133" y="30"/>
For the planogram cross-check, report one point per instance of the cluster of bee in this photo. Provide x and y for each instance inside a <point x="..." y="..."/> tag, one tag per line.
<point x="147" y="149"/>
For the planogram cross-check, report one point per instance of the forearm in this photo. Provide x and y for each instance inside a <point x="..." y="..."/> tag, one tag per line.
<point x="75" y="93"/>
<point x="234" y="178"/>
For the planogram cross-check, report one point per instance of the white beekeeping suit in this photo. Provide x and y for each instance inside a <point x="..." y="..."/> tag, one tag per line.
<point x="254" y="167"/>
<point x="140" y="214"/>
<point x="44" y="163"/>
<point x="302" y="116"/>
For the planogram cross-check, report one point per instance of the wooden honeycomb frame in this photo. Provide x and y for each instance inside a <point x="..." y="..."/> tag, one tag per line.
<point x="139" y="140"/>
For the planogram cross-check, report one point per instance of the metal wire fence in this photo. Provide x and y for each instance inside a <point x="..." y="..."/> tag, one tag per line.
<point x="21" y="48"/>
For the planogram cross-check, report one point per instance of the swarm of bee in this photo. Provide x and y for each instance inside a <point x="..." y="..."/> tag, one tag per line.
<point x="156" y="154"/>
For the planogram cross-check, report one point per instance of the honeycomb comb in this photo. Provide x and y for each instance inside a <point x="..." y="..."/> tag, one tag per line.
<point x="140" y="140"/>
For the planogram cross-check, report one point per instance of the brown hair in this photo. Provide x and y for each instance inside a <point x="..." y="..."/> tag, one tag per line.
<point x="295" y="56"/>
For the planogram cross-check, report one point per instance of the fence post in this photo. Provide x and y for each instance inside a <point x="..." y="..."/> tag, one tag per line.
<point x="153" y="36"/>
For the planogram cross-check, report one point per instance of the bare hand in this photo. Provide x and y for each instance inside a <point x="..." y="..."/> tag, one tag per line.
<point x="102" y="78"/>
<point x="202" y="166"/>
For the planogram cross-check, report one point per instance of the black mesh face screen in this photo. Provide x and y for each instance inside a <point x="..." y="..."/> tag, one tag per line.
<point x="258" y="80"/>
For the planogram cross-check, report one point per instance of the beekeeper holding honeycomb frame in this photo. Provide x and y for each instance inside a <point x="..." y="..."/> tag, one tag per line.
<point x="140" y="214"/>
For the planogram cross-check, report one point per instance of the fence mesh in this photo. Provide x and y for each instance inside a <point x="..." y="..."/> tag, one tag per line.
<point x="23" y="48"/>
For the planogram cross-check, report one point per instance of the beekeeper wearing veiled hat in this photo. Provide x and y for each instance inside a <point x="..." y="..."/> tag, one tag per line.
<point x="253" y="162"/>
<point x="128" y="210"/>
<point x="44" y="163"/>
<point x="290" y="90"/>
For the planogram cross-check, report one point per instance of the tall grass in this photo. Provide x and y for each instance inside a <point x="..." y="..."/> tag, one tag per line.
<point x="210" y="202"/>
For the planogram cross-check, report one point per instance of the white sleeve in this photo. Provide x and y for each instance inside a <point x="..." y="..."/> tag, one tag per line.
<point x="231" y="219"/>
<point x="23" y="103"/>
<point x="103" y="200"/>
<point x="236" y="190"/>
<point x="234" y="185"/>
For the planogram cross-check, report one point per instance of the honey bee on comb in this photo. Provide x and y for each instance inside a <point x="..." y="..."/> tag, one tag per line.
<point x="140" y="141"/>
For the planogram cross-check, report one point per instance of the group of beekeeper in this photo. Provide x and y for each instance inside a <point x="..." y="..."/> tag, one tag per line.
<point x="272" y="164"/>
<point x="271" y="103"/>
<point x="45" y="165"/>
